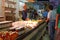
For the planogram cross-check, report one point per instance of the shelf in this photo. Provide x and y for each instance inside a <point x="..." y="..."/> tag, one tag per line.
<point x="8" y="5"/>
<point x="11" y="2"/>
<point x="1" y="19"/>
<point x="8" y="8"/>
<point x="5" y="24"/>
<point x="9" y="14"/>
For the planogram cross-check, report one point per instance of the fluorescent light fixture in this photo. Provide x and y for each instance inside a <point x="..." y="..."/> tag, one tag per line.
<point x="21" y="6"/>
<point x="23" y="1"/>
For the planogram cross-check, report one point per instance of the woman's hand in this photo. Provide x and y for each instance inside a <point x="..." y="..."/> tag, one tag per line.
<point x="56" y="27"/>
<point x="46" y="20"/>
<point x="56" y="24"/>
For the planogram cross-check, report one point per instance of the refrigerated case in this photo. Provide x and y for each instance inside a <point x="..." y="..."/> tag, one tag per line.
<point x="23" y="33"/>
<point x="34" y="34"/>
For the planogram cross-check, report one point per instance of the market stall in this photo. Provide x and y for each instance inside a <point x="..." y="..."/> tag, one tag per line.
<point x="34" y="34"/>
<point x="23" y="30"/>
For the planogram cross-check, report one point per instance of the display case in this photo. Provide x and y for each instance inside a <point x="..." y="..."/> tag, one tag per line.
<point x="23" y="30"/>
<point x="5" y="24"/>
<point x="34" y="34"/>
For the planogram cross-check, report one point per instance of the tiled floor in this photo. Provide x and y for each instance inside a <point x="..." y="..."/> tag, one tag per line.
<point x="46" y="37"/>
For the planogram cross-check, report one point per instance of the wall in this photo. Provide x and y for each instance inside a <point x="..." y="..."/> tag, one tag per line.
<point x="1" y="11"/>
<point x="54" y="3"/>
<point x="17" y="10"/>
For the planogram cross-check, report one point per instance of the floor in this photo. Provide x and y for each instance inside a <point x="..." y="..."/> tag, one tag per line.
<point x="46" y="37"/>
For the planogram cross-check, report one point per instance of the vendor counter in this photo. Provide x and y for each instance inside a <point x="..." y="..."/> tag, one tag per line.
<point x="25" y="30"/>
<point x="34" y="34"/>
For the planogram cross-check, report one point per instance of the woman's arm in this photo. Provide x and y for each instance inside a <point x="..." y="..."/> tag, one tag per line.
<point x="56" y="24"/>
<point x="47" y="20"/>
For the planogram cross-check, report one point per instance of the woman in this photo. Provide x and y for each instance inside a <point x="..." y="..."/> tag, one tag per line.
<point x="51" y="22"/>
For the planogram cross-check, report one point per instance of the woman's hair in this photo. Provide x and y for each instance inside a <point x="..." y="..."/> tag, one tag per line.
<point x="50" y="7"/>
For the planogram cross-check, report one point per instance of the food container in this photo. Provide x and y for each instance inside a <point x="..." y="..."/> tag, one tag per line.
<point x="13" y="35"/>
<point x="7" y="36"/>
<point x="1" y="38"/>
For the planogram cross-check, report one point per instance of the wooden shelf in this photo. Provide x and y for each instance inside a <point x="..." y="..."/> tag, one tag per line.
<point x="8" y="8"/>
<point x="5" y="24"/>
<point x="11" y="2"/>
<point x="1" y="18"/>
<point x="10" y="16"/>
